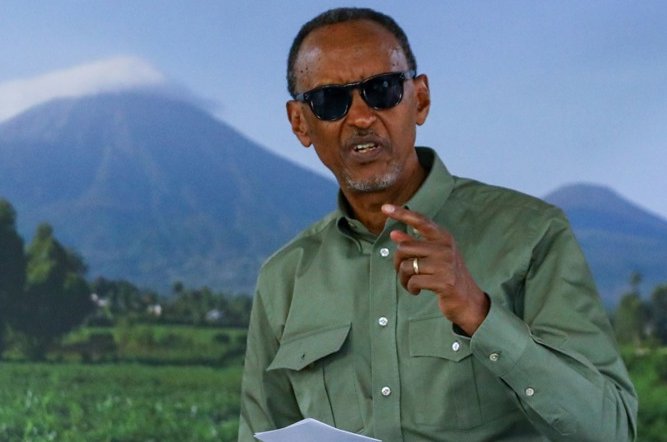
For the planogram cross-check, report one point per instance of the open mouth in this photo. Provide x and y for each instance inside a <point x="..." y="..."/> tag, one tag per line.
<point x="365" y="147"/>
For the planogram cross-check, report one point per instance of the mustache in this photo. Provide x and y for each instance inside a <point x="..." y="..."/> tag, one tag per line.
<point x="364" y="139"/>
<point x="364" y="136"/>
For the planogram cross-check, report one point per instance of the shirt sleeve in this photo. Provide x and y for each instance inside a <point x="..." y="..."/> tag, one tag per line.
<point x="553" y="346"/>
<point x="267" y="400"/>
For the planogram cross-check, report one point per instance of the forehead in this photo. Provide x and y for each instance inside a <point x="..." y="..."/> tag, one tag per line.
<point x="347" y="52"/>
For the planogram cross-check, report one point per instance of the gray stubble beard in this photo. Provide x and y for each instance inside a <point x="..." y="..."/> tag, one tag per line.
<point x="374" y="184"/>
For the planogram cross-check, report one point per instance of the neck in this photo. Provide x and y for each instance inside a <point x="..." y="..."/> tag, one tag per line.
<point x="366" y="205"/>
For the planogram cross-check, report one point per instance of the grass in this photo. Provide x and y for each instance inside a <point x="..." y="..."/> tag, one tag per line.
<point x="182" y="383"/>
<point x="648" y="370"/>
<point x="118" y="402"/>
<point x="131" y="382"/>
<point x="154" y="344"/>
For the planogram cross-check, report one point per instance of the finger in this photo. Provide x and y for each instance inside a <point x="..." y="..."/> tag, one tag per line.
<point x="405" y="270"/>
<point x="405" y="275"/>
<point x="436" y="250"/>
<point x="410" y="248"/>
<point x="400" y="237"/>
<point x="423" y="225"/>
<point x="434" y="257"/>
<point x="416" y="283"/>
<point x="411" y="267"/>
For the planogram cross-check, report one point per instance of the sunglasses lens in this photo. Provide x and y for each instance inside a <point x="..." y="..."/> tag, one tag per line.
<point x="384" y="92"/>
<point x="330" y="103"/>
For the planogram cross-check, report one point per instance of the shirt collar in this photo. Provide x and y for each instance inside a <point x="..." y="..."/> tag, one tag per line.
<point x="428" y="200"/>
<point x="438" y="185"/>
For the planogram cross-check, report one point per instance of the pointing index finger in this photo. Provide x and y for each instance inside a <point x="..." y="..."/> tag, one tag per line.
<point x="417" y="221"/>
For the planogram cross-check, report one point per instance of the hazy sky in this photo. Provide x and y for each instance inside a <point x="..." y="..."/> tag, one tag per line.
<point x="525" y="94"/>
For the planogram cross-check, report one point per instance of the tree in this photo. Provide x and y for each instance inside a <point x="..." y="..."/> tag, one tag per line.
<point x="192" y="305"/>
<point x="238" y="310"/>
<point x="659" y="313"/>
<point x="12" y="266"/>
<point x="123" y="298"/>
<point x="203" y="306"/>
<point x="631" y="318"/>
<point x="57" y="297"/>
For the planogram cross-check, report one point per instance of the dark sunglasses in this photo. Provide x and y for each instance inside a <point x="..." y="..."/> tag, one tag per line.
<point x="331" y="102"/>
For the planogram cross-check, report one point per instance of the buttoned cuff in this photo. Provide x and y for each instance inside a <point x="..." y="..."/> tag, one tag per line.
<point x="500" y="340"/>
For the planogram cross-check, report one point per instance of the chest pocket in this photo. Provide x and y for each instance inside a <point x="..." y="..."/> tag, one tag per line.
<point x="323" y="381"/>
<point x="298" y="352"/>
<point x="442" y="365"/>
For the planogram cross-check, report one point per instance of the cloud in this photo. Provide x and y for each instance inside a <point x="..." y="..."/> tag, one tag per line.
<point x="108" y="75"/>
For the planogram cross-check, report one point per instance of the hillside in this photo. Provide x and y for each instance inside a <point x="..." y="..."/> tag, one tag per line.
<point x="618" y="237"/>
<point x="155" y="190"/>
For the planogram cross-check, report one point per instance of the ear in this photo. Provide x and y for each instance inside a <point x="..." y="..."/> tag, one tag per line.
<point x="423" y="96"/>
<point x="298" y="122"/>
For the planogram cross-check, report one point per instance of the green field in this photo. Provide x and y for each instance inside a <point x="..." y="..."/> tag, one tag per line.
<point x="648" y="370"/>
<point x="180" y="383"/>
<point x="154" y="344"/>
<point x="118" y="402"/>
<point x="127" y="383"/>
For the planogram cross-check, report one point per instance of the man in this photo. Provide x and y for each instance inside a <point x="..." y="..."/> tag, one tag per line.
<point x="427" y="307"/>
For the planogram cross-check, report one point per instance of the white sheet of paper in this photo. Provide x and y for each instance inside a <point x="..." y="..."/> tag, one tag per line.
<point x="309" y="430"/>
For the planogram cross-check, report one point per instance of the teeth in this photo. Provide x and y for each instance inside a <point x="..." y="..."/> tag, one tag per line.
<point x="363" y="147"/>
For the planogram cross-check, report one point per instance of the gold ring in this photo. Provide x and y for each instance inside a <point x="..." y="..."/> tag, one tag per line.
<point x="415" y="265"/>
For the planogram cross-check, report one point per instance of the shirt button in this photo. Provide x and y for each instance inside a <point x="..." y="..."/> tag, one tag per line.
<point x="382" y="321"/>
<point x="529" y="392"/>
<point x="384" y="252"/>
<point x="386" y="391"/>
<point x="456" y="346"/>
<point x="494" y="357"/>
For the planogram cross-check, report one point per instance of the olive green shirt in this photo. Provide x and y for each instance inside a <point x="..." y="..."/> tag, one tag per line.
<point x="334" y="336"/>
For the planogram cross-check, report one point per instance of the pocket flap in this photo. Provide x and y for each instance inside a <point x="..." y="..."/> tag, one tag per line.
<point x="301" y="350"/>
<point x="434" y="337"/>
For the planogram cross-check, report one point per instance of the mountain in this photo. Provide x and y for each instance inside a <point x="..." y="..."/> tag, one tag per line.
<point x="155" y="190"/>
<point x="617" y="236"/>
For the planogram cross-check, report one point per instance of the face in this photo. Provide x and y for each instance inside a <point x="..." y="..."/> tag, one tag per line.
<point x="368" y="150"/>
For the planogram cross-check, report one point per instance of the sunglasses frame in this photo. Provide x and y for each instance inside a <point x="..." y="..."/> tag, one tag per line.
<point x="349" y="87"/>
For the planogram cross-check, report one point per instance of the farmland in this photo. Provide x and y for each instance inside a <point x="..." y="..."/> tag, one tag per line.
<point x="157" y="383"/>
<point x="181" y="383"/>
<point x="126" y="401"/>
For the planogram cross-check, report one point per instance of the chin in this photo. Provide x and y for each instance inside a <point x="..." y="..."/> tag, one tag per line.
<point x="374" y="184"/>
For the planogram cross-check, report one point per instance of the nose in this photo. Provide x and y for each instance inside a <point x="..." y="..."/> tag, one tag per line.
<point x="360" y="114"/>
